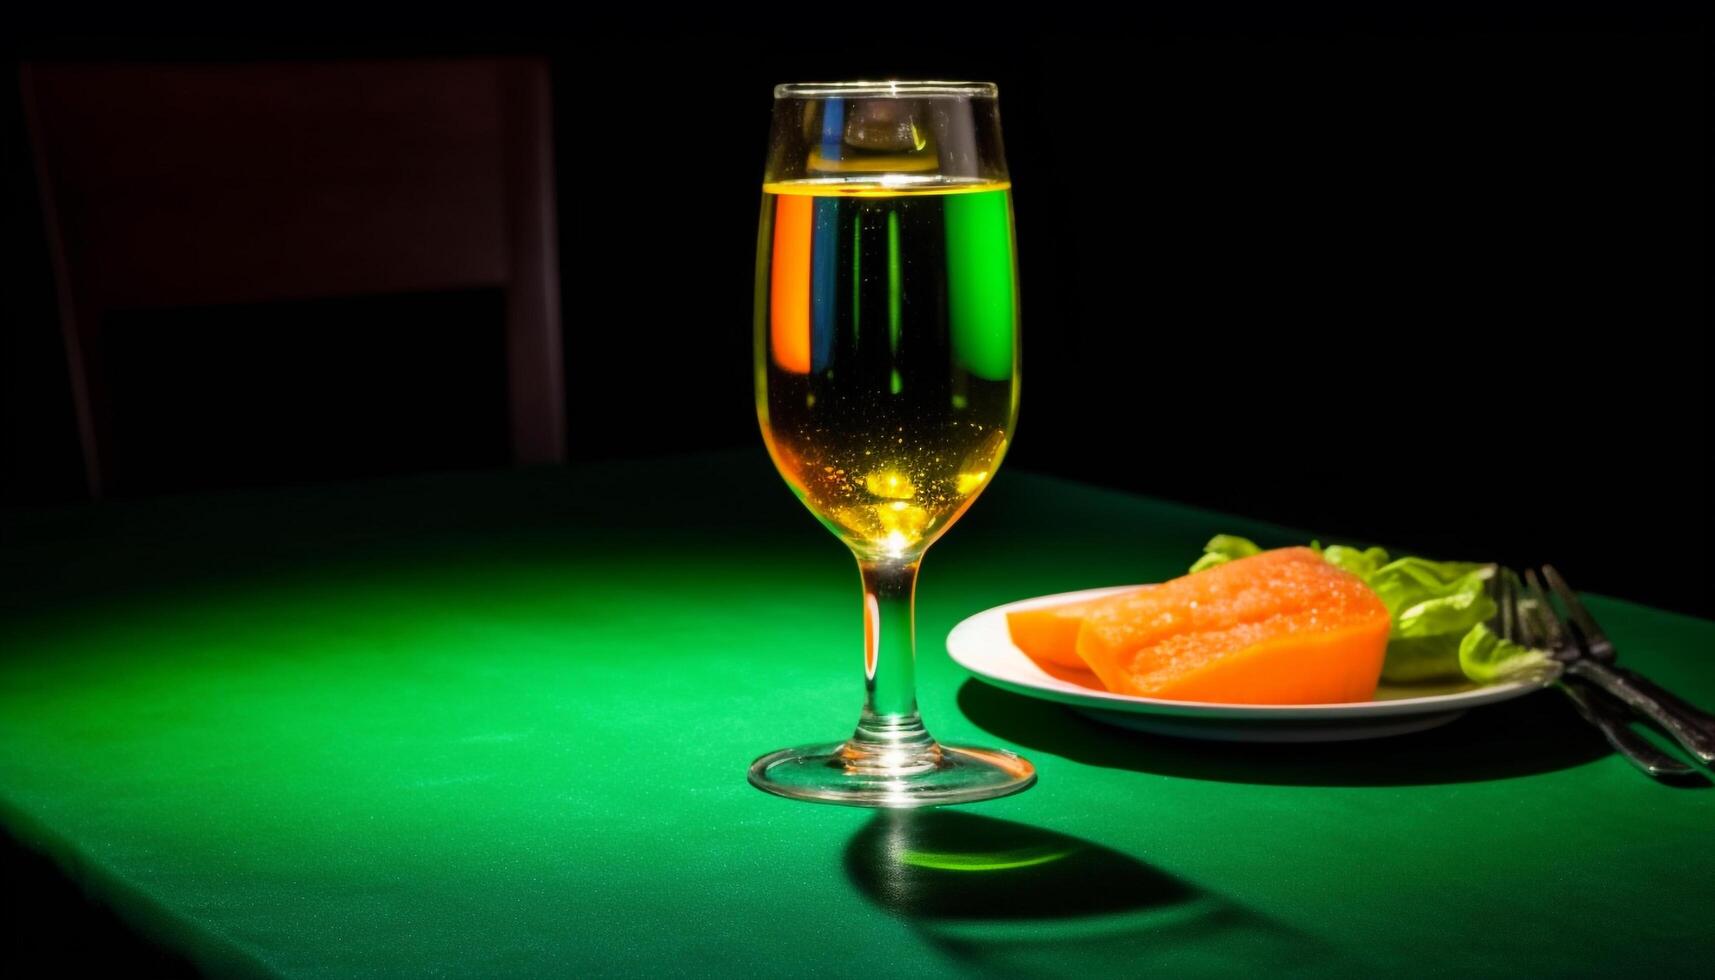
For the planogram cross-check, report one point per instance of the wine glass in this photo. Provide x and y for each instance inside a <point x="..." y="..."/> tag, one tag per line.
<point x="887" y="384"/>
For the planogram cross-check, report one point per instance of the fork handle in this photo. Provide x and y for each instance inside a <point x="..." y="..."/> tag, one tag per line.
<point x="1686" y="731"/>
<point x="1669" y="700"/>
<point x="1610" y="719"/>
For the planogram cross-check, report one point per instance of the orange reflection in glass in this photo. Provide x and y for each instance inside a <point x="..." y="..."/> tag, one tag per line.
<point x="789" y="307"/>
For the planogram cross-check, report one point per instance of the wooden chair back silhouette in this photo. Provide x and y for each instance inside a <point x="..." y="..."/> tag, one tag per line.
<point x="203" y="184"/>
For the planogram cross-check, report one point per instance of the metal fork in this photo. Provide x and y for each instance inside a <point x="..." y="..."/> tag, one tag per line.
<point x="1533" y="624"/>
<point x="1693" y="731"/>
<point x="1596" y="644"/>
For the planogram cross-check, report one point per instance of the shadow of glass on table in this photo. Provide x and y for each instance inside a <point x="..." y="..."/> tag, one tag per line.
<point x="1008" y="898"/>
<point x="53" y="918"/>
<point x="1535" y="734"/>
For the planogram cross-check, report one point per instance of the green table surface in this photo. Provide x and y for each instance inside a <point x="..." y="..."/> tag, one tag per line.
<point x="497" y="724"/>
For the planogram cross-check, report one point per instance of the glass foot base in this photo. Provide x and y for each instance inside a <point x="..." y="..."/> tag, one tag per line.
<point x="826" y="774"/>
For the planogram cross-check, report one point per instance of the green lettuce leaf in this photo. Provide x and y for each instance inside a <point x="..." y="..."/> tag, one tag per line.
<point x="1486" y="658"/>
<point x="1453" y="614"/>
<point x="1363" y="563"/>
<point x="1223" y="548"/>
<point x="1405" y="582"/>
<point x="1411" y="659"/>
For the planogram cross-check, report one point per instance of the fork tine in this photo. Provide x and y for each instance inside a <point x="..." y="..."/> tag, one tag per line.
<point x="1581" y="618"/>
<point x="1545" y="618"/>
<point x="1523" y="611"/>
<point x="1506" y="598"/>
<point x="1531" y="631"/>
<point x="1492" y="589"/>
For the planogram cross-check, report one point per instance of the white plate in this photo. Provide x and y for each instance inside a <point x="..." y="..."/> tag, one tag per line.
<point x="983" y="646"/>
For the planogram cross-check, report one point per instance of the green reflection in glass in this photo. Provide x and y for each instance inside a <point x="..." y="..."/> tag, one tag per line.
<point x="981" y="300"/>
<point x="895" y="284"/>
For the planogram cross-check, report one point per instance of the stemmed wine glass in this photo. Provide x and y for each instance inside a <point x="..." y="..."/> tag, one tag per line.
<point x="887" y="384"/>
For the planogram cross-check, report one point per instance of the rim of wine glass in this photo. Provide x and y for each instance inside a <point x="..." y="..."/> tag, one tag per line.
<point x="891" y="88"/>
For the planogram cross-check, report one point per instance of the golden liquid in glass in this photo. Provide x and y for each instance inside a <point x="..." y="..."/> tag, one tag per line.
<point x="887" y="355"/>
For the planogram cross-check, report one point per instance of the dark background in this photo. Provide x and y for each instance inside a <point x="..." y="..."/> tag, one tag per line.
<point x="1439" y="282"/>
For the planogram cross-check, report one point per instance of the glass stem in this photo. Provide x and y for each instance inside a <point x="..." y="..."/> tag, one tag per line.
<point x="890" y="737"/>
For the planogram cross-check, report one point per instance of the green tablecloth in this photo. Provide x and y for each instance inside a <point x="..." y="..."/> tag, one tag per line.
<point x="497" y="724"/>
